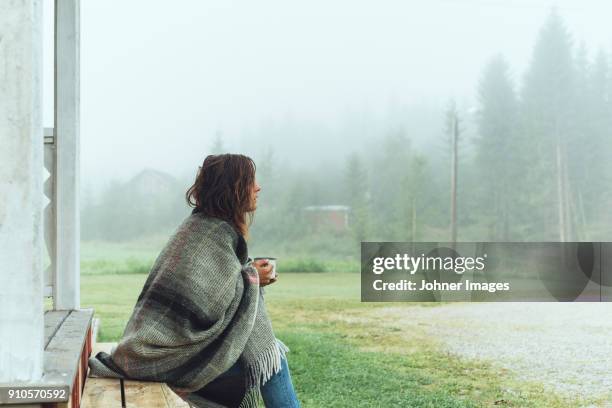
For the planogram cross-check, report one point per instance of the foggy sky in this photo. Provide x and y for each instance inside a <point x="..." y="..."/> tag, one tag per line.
<point x="159" y="78"/>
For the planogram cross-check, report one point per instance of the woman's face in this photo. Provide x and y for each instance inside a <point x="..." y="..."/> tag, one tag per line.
<point x="254" y="193"/>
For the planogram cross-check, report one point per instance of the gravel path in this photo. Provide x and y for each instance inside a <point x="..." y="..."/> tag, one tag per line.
<point x="567" y="346"/>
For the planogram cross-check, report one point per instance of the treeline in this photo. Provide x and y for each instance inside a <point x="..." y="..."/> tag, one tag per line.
<point x="532" y="166"/>
<point x="543" y="145"/>
<point x="150" y="203"/>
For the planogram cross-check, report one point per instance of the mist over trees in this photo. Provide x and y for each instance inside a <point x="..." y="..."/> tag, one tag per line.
<point x="532" y="166"/>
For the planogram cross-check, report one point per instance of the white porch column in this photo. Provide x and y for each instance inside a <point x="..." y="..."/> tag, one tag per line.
<point x="21" y="191"/>
<point x="67" y="102"/>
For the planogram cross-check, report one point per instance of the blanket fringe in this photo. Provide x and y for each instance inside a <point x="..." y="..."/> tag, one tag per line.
<point x="282" y="348"/>
<point x="267" y="364"/>
<point x="250" y="399"/>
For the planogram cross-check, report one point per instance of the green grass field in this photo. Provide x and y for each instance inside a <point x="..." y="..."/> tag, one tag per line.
<point x="340" y="355"/>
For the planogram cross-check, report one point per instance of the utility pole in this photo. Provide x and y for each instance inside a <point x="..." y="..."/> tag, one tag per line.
<point x="454" y="160"/>
<point x="560" y="192"/>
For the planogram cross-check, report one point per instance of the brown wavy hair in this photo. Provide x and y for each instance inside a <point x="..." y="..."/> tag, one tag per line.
<point x="223" y="189"/>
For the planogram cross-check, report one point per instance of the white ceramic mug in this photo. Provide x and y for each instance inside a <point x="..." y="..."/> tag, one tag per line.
<point x="270" y="260"/>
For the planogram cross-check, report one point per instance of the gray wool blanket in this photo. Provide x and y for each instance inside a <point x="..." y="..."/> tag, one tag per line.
<point x="201" y="310"/>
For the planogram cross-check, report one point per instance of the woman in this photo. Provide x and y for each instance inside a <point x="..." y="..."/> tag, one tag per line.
<point x="200" y="323"/>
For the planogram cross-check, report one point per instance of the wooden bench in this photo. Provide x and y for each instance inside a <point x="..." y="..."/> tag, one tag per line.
<point x="106" y="392"/>
<point x="69" y="341"/>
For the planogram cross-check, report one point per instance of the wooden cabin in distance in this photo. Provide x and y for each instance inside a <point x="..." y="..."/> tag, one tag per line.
<point x="334" y="217"/>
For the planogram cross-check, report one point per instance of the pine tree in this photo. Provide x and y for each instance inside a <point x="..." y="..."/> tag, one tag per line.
<point x="267" y="177"/>
<point x="580" y="145"/>
<point x="548" y="102"/>
<point x="415" y="188"/>
<point x="497" y="154"/>
<point x="596" y="174"/>
<point x="390" y="165"/>
<point x="356" y="183"/>
<point x="452" y="134"/>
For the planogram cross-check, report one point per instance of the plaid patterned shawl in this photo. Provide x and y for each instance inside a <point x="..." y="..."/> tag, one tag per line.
<point x="200" y="311"/>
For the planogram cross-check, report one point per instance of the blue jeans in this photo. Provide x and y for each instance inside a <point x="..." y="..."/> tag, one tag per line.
<point x="278" y="391"/>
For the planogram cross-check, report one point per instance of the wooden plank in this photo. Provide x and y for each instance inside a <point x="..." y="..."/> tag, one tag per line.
<point x="104" y="392"/>
<point x="101" y="393"/>
<point x="144" y="394"/>
<point x="53" y="319"/>
<point x="62" y="355"/>
<point x="138" y="394"/>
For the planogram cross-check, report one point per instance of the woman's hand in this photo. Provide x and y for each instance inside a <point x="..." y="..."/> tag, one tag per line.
<point x="264" y="269"/>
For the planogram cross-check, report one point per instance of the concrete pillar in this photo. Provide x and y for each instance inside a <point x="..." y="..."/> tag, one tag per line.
<point x="21" y="191"/>
<point x="67" y="113"/>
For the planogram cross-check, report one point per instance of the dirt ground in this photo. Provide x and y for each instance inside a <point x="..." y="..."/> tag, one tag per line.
<point x="567" y="346"/>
